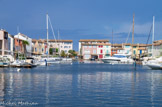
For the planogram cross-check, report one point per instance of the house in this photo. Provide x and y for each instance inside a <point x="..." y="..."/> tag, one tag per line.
<point x="127" y="48"/>
<point x="157" y="48"/>
<point x="61" y="45"/>
<point x="92" y="48"/>
<point x="116" y="49"/>
<point x="103" y="50"/>
<point x="138" y="50"/>
<point x="19" y="38"/>
<point x="6" y="45"/>
<point x="38" y="47"/>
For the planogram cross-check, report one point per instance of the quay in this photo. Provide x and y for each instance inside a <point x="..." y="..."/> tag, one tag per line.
<point x="18" y="66"/>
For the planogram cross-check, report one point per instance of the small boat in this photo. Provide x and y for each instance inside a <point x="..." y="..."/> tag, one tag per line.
<point x="4" y="62"/>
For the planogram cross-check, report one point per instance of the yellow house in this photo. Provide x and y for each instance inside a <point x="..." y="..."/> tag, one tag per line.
<point x="138" y="50"/>
<point x="38" y="47"/>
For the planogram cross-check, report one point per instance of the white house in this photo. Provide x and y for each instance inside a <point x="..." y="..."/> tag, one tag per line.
<point x="62" y="45"/>
<point x="26" y="38"/>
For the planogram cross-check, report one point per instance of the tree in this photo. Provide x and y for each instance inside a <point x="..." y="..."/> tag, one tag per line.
<point x="72" y="53"/>
<point x="25" y="43"/>
<point x="56" y="49"/>
<point x="50" y="51"/>
<point x="63" y="54"/>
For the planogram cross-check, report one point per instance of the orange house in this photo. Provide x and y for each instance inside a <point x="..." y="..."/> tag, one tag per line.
<point x="18" y="45"/>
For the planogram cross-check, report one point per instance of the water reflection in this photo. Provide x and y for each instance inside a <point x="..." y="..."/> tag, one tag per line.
<point x="93" y="84"/>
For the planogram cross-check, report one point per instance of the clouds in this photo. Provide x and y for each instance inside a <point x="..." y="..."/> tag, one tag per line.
<point x="141" y="30"/>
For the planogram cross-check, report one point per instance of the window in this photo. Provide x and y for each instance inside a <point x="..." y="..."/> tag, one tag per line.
<point x="94" y="51"/>
<point x="107" y="46"/>
<point x="140" y="51"/>
<point x="100" y="51"/>
<point x="65" y="51"/>
<point x="107" y="51"/>
<point x="69" y="46"/>
<point x="94" y="46"/>
<point x="35" y="49"/>
<point x="17" y="48"/>
<point x="42" y="49"/>
<point x="134" y="52"/>
<point x="65" y="46"/>
<point x="85" y="46"/>
<point x="90" y="46"/>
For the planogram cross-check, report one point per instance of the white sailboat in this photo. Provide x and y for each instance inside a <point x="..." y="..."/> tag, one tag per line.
<point x="157" y="62"/>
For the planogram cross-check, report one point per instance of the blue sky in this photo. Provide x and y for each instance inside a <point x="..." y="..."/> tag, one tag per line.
<point x="82" y="19"/>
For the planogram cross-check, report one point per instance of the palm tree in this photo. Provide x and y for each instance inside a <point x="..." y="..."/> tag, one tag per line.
<point x="24" y="42"/>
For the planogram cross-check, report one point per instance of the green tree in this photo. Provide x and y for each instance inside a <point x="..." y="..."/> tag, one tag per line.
<point x="63" y="54"/>
<point x="50" y="51"/>
<point x="72" y="53"/>
<point x="56" y="49"/>
<point x="25" y="43"/>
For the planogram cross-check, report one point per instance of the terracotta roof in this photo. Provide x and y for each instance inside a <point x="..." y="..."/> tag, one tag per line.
<point x="141" y="48"/>
<point x="158" y="41"/>
<point x="106" y="44"/>
<point x="34" y="40"/>
<point x="92" y="40"/>
<point x="116" y="45"/>
<point x="127" y="44"/>
<point x="40" y="41"/>
<point x="53" y="40"/>
<point x="149" y="44"/>
<point x="134" y="45"/>
<point x="144" y="45"/>
<point x="88" y="44"/>
<point x="117" y="49"/>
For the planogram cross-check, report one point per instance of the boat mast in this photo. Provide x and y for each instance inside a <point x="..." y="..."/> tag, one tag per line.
<point x="112" y="43"/>
<point x="133" y="30"/>
<point x="18" y="41"/>
<point x="47" y="36"/>
<point x="133" y="35"/>
<point x="153" y="36"/>
<point x="58" y="43"/>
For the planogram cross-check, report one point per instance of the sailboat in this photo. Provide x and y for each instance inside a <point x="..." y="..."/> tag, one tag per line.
<point x="49" y="60"/>
<point x="156" y="63"/>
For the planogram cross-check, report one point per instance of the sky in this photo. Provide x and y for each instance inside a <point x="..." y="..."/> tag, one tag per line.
<point x="83" y="19"/>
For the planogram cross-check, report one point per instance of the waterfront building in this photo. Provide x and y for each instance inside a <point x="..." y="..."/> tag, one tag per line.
<point x="19" y="38"/>
<point x="61" y="45"/>
<point x="38" y="47"/>
<point x="103" y="50"/>
<point x="127" y="48"/>
<point x="89" y="51"/>
<point x="92" y="48"/>
<point x="6" y="45"/>
<point x="157" y="48"/>
<point x="139" y="50"/>
<point x="116" y="49"/>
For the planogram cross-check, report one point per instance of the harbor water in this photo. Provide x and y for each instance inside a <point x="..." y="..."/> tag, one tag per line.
<point x="81" y="85"/>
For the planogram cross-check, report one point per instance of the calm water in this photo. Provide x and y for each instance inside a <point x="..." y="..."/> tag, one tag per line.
<point x="81" y="85"/>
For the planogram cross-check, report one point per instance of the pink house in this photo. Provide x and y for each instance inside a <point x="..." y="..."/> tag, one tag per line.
<point x="89" y="51"/>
